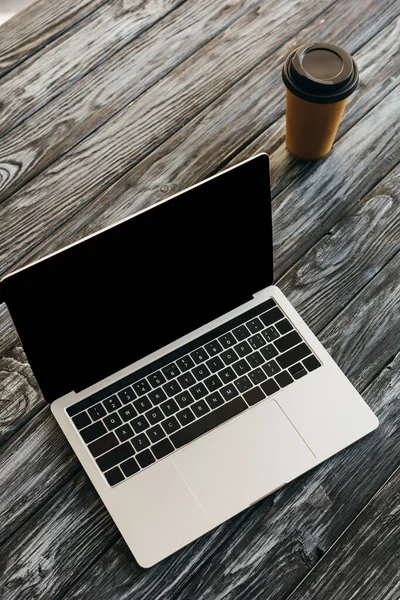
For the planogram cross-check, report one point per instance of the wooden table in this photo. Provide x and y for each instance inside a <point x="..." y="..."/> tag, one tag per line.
<point x="107" y="106"/>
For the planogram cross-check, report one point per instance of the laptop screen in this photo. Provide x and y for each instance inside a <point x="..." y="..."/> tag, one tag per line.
<point x="113" y="298"/>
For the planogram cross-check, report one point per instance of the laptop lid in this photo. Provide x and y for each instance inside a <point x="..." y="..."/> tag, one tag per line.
<point x="103" y="303"/>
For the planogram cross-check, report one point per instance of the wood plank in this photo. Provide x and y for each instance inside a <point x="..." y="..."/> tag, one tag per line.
<point x="92" y="100"/>
<point x="201" y="552"/>
<point x="197" y="149"/>
<point x="327" y="277"/>
<point x="93" y="164"/>
<point x="40" y="23"/>
<point x="364" y="562"/>
<point x="69" y="57"/>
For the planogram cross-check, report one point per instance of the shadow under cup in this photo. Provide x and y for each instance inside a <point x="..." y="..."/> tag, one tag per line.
<point x="319" y="79"/>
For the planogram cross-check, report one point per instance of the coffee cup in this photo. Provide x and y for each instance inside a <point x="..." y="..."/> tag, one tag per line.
<point x="319" y="79"/>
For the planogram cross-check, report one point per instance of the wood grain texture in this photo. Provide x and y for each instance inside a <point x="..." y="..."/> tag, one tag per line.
<point x="40" y="78"/>
<point x="356" y="362"/>
<point x="202" y="146"/>
<point x="92" y="100"/>
<point x="327" y="277"/>
<point x="365" y="560"/>
<point x="281" y="538"/>
<point x="92" y="165"/>
<point x="40" y="23"/>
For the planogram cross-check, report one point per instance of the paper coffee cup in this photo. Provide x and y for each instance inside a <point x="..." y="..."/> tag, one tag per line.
<point x="319" y="79"/>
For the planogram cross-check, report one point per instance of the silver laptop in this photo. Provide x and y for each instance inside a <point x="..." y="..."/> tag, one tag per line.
<point x="184" y="380"/>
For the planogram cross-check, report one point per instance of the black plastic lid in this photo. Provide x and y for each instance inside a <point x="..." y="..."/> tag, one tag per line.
<point x="320" y="72"/>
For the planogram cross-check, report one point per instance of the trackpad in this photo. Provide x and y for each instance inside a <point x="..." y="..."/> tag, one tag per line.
<point x="244" y="460"/>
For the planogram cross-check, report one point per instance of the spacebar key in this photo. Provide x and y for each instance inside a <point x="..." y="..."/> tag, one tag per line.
<point x="207" y="423"/>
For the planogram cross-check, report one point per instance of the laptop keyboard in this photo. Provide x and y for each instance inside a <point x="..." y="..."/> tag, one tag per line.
<point x="136" y="422"/>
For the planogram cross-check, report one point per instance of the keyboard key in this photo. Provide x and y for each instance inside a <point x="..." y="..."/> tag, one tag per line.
<point x="213" y="347"/>
<point x="114" y="476"/>
<point x="82" y="420"/>
<point x="243" y="349"/>
<point x="293" y="356"/>
<point x="255" y="325"/>
<point x="140" y="442"/>
<point x="271" y="368"/>
<point x="113" y="457"/>
<point x="311" y="363"/>
<point x="241" y="333"/>
<point x="208" y="422"/>
<point x="142" y="404"/>
<point x="97" y="411"/>
<point x="241" y="367"/>
<point x="104" y="444"/>
<point x="270" y="387"/>
<point x="155" y="434"/>
<point x="156" y="379"/>
<point x="185" y="416"/>
<point x="141" y="387"/>
<point x="243" y="384"/>
<point x="93" y="432"/>
<point x="256" y="341"/>
<point x="254" y="396"/>
<point x="228" y="392"/>
<point x="112" y="403"/>
<point x="126" y="395"/>
<point x="214" y="400"/>
<point x="154" y="416"/>
<point x="297" y="371"/>
<point x="198" y="391"/>
<point x="157" y="396"/>
<point x="215" y="364"/>
<point x="200" y="408"/>
<point x="255" y="359"/>
<point x="172" y="388"/>
<point x="288" y="341"/>
<point x="283" y="379"/>
<point x="184" y="399"/>
<point x="125" y="432"/>
<point x="229" y="357"/>
<point x="185" y="363"/>
<point x="130" y="467"/>
<point x="213" y="383"/>
<point x="199" y="355"/>
<point x="227" y="340"/>
<point x="162" y="449"/>
<point x="169" y="407"/>
<point x="140" y="424"/>
<point x="257" y="376"/>
<point x="271" y="316"/>
<point x="269" y="352"/>
<point x="270" y="334"/>
<point x="127" y="412"/>
<point x="171" y="371"/>
<point x="201" y="372"/>
<point x="227" y="375"/>
<point x="170" y="425"/>
<point x="145" y="458"/>
<point x="186" y="380"/>
<point x="112" y="421"/>
<point x="283" y="326"/>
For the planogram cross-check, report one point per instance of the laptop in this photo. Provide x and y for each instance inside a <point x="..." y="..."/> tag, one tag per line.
<point x="186" y="383"/>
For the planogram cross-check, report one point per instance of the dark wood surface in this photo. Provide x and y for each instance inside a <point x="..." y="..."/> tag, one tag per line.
<point x="107" y="106"/>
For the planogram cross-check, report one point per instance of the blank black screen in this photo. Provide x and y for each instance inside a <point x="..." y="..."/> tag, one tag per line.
<point x="106" y="302"/>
